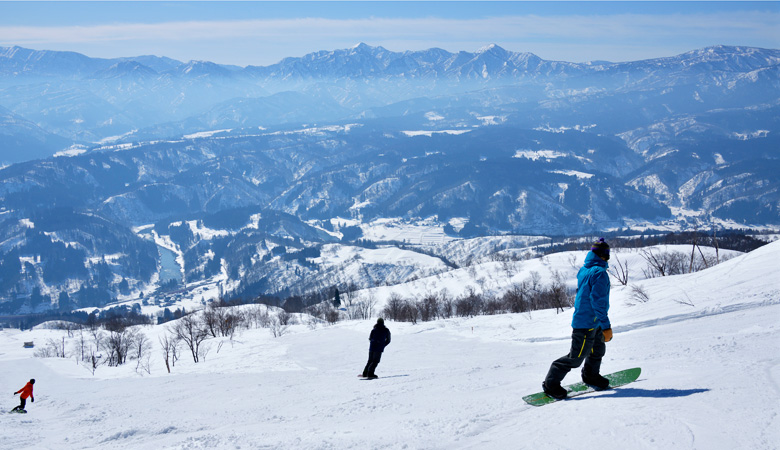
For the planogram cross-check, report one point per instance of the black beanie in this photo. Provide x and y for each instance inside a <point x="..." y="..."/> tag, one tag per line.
<point x="380" y="321"/>
<point x="601" y="248"/>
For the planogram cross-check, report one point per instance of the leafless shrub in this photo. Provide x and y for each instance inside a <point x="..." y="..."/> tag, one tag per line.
<point x="203" y="350"/>
<point x="258" y="316"/>
<point x="573" y="261"/>
<point x="639" y="294"/>
<point x="54" y="348"/>
<point x="332" y="315"/>
<point x="285" y="318"/>
<point x="277" y="328"/>
<point x="685" y="301"/>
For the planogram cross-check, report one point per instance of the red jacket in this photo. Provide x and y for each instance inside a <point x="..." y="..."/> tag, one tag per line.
<point x="26" y="390"/>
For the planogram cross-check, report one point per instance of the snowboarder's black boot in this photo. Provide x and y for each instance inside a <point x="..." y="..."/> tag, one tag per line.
<point x="554" y="390"/>
<point x="597" y="381"/>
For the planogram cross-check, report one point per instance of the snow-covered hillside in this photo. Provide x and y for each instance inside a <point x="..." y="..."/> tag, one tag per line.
<point x="706" y="342"/>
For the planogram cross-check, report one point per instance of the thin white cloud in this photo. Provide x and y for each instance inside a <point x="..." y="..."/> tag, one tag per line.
<point x="294" y="37"/>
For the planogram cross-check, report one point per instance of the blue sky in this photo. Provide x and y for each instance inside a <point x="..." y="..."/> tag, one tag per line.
<point x="262" y="33"/>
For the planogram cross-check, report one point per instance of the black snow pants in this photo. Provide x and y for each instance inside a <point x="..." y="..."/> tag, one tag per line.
<point x="21" y="407"/>
<point x="373" y="361"/>
<point x="586" y="345"/>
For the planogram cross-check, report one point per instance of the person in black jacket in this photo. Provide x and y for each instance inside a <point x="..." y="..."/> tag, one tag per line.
<point x="380" y="338"/>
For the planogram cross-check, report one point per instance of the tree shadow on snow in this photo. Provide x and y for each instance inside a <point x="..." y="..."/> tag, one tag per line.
<point x="648" y="393"/>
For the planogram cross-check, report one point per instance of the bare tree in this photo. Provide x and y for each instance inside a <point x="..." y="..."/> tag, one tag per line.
<point x="409" y="311"/>
<point x="364" y="307"/>
<point x="619" y="270"/>
<point x="393" y="310"/>
<point x="118" y="345"/>
<point x="211" y="318"/>
<point x="429" y="307"/>
<point x="81" y="345"/>
<point x="168" y="342"/>
<point x="95" y="358"/>
<point x="493" y="306"/>
<point x="516" y="298"/>
<point x="557" y="293"/>
<point x="469" y="305"/>
<point x="53" y="349"/>
<point x="70" y="327"/>
<point x="535" y="282"/>
<point x="663" y="264"/>
<point x="447" y="305"/>
<point x="142" y="352"/>
<point x="190" y="330"/>
<point x="717" y="247"/>
<point x="350" y="299"/>
<point x="230" y="319"/>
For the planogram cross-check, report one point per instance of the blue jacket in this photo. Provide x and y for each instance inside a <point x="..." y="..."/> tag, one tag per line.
<point x="592" y="302"/>
<point x="380" y="338"/>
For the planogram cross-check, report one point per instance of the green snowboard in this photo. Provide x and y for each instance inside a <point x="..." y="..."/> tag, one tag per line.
<point x="615" y="379"/>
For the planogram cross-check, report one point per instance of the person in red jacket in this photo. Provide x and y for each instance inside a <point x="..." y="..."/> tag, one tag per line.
<point x="26" y="391"/>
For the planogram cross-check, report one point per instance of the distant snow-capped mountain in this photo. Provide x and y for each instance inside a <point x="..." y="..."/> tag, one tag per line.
<point x="276" y="160"/>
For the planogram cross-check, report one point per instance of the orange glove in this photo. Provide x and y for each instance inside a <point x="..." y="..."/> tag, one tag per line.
<point x="607" y="334"/>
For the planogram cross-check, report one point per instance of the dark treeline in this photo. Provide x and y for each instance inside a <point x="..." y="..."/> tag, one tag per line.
<point x="131" y="315"/>
<point x="728" y="240"/>
<point x="528" y="295"/>
<point x="119" y="314"/>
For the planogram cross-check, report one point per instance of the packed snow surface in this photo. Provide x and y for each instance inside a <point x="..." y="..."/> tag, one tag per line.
<point x="707" y="344"/>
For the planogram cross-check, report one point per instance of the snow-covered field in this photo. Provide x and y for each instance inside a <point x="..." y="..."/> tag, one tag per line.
<point x="707" y="343"/>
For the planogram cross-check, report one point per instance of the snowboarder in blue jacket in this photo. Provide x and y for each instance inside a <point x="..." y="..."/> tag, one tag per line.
<point x="591" y="326"/>
<point x="380" y="338"/>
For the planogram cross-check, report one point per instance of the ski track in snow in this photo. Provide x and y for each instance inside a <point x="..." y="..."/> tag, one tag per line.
<point x="710" y="380"/>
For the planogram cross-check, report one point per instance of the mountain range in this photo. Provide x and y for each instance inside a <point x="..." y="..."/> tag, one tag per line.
<point x="281" y="161"/>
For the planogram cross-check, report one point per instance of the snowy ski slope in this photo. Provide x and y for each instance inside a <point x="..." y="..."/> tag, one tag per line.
<point x="707" y="343"/>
